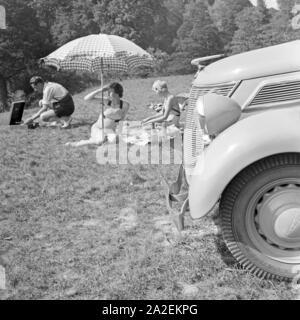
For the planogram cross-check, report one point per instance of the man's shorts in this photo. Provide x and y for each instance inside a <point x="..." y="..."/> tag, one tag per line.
<point x="65" y="107"/>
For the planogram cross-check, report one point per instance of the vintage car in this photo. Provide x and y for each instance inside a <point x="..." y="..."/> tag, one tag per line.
<point x="242" y="149"/>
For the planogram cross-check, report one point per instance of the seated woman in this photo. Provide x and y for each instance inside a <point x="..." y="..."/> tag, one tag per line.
<point x="116" y="111"/>
<point x="170" y="113"/>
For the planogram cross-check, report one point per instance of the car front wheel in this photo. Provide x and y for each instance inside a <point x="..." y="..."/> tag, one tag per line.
<point x="260" y="212"/>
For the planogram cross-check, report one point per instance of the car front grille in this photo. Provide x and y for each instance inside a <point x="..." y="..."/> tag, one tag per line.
<point x="193" y="141"/>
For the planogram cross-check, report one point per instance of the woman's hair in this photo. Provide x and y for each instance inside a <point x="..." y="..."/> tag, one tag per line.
<point x="159" y="86"/>
<point x="117" y="88"/>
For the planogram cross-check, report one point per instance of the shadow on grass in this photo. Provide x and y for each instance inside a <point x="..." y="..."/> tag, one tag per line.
<point x="220" y="244"/>
<point x="81" y="124"/>
<point x="225" y="254"/>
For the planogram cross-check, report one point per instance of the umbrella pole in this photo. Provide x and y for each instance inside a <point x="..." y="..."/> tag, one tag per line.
<point x="102" y="96"/>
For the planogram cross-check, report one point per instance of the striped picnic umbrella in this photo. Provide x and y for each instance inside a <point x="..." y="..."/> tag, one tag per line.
<point x="99" y="53"/>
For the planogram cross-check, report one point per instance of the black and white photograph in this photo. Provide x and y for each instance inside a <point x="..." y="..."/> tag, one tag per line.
<point x="149" y="151"/>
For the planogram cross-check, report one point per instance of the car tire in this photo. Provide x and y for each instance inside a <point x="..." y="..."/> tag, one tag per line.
<point x="260" y="217"/>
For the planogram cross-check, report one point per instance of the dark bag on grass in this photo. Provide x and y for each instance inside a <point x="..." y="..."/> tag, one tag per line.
<point x="16" y="113"/>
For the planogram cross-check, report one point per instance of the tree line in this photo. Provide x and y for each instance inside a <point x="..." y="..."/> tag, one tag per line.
<point x="174" y="31"/>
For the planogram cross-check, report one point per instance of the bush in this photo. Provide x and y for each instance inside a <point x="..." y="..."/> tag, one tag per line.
<point x="180" y="63"/>
<point x="161" y="62"/>
<point x="160" y="66"/>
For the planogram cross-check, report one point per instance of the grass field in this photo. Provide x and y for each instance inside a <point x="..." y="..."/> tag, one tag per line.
<point x="73" y="229"/>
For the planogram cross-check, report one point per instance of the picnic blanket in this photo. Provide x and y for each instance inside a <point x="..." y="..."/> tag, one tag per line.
<point x="138" y="135"/>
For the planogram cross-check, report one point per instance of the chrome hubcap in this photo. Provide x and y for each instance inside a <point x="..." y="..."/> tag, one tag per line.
<point x="287" y="226"/>
<point x="275" y="229"/>
<point x="278" y="217"/>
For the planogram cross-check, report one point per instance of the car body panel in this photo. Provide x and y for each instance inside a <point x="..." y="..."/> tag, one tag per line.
<point x="247" y="141"/>
<point x="253" y="64"/>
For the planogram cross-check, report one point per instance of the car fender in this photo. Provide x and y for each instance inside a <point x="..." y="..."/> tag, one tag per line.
<point x="245" y="142"/>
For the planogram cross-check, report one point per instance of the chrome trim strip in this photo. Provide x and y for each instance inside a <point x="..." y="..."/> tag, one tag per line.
<point x="261" y="85"/>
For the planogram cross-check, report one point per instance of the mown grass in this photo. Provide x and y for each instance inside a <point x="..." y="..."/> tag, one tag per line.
<point x="73" y="229"/>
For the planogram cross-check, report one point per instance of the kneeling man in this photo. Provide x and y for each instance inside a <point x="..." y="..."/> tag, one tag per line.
<point x="57" y="103"/>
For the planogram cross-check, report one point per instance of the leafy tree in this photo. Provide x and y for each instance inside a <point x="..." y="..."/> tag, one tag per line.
<point x="163" y="30"/>
<point x="175" y="11"/>
<point x="20" y="44"/>
<point x="173" y="15"/>
<point x="262" y="8"/>
<point x="46" y="10"/>
<point x="286" y="6"/>
<point x="281" y="23"/>
<point x="224" y="12"/>
<point x="135" y="20"/>
<point x="138" y="20"/>
<point x="197" y="36"/>
<point x="73" y="19"/>
<point x="253" y="29"/>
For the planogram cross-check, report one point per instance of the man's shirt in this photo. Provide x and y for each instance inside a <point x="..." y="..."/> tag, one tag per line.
<point x="53" y="92"/>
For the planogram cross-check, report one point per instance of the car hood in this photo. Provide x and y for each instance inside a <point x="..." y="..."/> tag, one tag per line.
<point x="268" y="61"/>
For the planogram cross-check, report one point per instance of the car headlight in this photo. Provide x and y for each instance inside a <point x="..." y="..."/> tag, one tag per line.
<point x="216" y="113"/>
